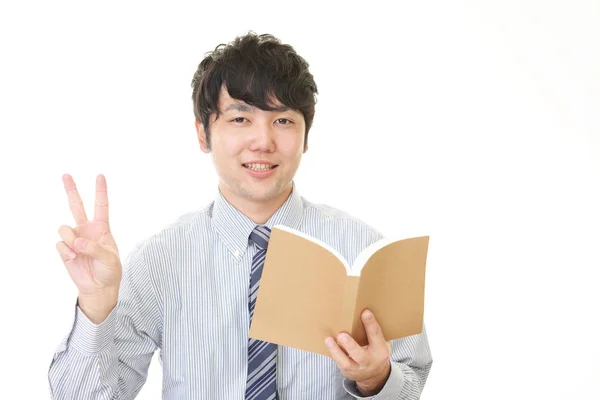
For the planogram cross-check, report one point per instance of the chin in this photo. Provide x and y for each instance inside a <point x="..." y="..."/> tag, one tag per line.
<point x="261" y="193"/>
<point x="264" y="195"/>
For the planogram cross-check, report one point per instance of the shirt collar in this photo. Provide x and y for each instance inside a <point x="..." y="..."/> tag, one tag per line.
<point x="234" y="227"/>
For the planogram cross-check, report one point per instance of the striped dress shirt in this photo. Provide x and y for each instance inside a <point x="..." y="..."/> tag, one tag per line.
<point x="184" y="292"/>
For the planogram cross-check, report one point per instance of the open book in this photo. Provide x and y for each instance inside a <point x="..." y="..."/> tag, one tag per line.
<point x="308" y="291"/>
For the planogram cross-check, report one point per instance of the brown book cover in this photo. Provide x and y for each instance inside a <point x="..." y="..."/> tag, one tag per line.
<point x="308" y="291"/>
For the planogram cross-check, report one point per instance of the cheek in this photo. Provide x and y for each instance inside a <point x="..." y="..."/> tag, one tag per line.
<point x="230" y="146"/>
<point x="291" y="148"/>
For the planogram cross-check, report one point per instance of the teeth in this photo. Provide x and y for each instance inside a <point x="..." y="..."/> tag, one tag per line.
<point x="259" y="167"/>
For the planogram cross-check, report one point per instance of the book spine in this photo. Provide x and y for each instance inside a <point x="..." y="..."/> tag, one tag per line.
<point x="349" y="304"/>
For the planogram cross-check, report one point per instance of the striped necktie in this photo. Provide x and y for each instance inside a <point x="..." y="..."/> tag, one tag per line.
<point x="262" y="356"/>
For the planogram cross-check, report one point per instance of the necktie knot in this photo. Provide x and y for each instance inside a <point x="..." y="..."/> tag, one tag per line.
<point x="260" y="236"/>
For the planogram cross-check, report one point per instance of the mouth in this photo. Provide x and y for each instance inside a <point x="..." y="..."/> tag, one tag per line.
<point x="260" y="170"/>
<point x="260" y="167"/>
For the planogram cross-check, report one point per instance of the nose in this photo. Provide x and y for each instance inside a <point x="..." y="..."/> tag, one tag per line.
<point x="262" y="138"/>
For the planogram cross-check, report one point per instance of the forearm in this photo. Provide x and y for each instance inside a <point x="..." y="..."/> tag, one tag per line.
<point x="76" y="376"/>
<point x="407" y="381"/>
<point x="110" y="359"/>
<point x="93" y="362"/>
<point x="85" y="365"/>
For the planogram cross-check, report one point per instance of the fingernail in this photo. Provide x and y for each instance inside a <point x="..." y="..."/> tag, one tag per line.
<point x="343" y="338"/>
<point x="71" y="255"/>
<point x="368" y="314"/>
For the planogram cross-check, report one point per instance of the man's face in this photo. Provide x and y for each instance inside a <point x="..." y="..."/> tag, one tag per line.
<point x="244" y="136"/>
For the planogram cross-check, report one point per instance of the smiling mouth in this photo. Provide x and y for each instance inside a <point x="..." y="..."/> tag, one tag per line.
<point x="260" y="167"/>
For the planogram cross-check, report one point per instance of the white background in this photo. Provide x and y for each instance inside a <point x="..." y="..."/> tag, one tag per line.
<point x="475" y="122"/>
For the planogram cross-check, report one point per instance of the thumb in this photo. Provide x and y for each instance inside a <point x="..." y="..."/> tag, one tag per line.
<point x="95" y="250"/>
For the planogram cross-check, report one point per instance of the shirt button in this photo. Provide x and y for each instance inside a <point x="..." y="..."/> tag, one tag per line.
<point x="237" y="253"/>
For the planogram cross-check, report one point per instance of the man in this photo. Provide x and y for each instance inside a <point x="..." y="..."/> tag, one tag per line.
<point x="190" y="289"/>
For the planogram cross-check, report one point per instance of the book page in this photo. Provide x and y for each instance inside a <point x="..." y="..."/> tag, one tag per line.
<point x="392" y="285"/>
<point x="300" y="296"/>
<point x="366" y="253"/>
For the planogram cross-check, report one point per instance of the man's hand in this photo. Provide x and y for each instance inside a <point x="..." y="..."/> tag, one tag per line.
<point x="90" y="253"/>
<point x="369" y="366"/>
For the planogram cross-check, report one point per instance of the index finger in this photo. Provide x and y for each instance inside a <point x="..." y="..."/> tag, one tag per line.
<point x="354" y="350"/>
<point x="75" y="203"/>
<point x="101" y="209"/>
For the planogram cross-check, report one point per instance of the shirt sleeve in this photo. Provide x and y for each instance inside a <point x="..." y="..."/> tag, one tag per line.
<point x="410" y="364"/>
<point x="110" y="360"/>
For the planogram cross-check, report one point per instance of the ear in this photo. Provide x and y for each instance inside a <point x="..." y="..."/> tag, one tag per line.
<point x="201" y="137"/>
<point x="305" y="148"/>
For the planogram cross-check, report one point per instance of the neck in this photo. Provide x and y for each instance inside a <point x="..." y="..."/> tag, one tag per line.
<point x="258" y="211"/>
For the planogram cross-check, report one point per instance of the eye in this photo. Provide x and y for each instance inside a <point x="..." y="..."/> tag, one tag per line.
<point x="285" y="119"/>
<point x="238" y="119"/>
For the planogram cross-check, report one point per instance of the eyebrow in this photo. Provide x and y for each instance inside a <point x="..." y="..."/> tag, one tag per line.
<point x="246" y="108"/>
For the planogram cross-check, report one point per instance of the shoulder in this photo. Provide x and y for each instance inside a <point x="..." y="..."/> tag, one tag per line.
<point x="329" y="220"/>
<point x="346" y="233"/>
<point x="175" y="234"/>
<point x="332" y="215"/>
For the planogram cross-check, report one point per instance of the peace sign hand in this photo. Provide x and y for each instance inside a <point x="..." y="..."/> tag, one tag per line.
<point x="90" y="253"/>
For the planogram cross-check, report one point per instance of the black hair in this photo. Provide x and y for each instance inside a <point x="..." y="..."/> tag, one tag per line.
<point x="256" y="69"/>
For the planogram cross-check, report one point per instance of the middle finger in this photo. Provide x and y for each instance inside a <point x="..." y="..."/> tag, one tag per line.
<point x="354" y="350"/>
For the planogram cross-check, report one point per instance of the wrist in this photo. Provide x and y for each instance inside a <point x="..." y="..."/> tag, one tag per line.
<point x="98" y="306"/>
<point x="373" y="385"/>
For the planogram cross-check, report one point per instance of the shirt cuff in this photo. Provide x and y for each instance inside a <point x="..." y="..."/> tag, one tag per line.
<point x="391" y="389"/>
<point x="89" y="338"/>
